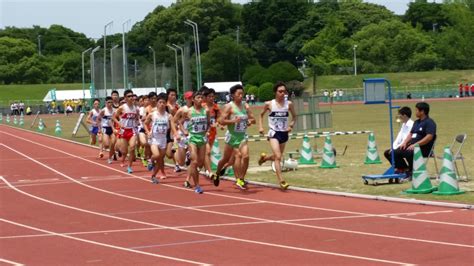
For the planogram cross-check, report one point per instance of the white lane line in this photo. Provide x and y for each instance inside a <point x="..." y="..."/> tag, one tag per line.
<point x="207" y="193"/>
<point x="178" y="243"/>
<point x="201" y="233"/>
<point x="102" y="244"/>
<point x="245" y="216"/>
<point x="192" y="226"/>
<point x="35" y="184"/>
<point x="181" y="209"/>
<point x="10" y="262"/>
<point x="38" y="180"/>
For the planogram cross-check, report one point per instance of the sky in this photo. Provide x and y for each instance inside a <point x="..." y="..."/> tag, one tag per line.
<point x="90" y="17"/>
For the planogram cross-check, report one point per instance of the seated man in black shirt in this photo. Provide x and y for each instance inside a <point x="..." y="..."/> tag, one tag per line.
<point x="422" y="133"/>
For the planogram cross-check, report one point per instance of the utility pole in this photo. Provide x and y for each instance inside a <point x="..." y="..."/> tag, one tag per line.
<point x="136" y="80"/>
<point x="238" y="52"/>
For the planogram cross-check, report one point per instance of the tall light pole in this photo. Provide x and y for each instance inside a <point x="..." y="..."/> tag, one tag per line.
<point x="39" y="45"/>
<point x="112" y="67"/>
<point x="194" y="25"/>
<point x="176" y="65"/>
<point x="355" y="59"/>
<point x="182" y="63"/>
<point x="124" y="54"/>
<point x="105" y="55"/>
<point x="154" y="66"/>
<point x="83" y="76"/>
<point x="92" y="71"/>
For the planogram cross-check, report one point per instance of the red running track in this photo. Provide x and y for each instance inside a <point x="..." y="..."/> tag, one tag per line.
<point x="61" y="205"/>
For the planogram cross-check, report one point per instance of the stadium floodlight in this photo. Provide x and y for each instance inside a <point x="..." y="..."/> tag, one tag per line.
<point x="83" y="75"/>
<point x="92" y="67"/>
<point x="154" y="66"/>
<point x="176" y="65"/>
<point x="197" y="49"/>
<point x="182" y="62"/>
<point x="124" y="54"/>
<point x="105" y="54"/>
<point x="112" y="66"/>
<point x="355" y="59"/>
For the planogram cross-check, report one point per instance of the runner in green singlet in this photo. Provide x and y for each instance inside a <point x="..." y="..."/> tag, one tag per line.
<point x="237" y="116"/>
<point x="197" y="126"/>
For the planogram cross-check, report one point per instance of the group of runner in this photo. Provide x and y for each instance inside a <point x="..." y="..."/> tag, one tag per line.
<point x="159" y="127"/>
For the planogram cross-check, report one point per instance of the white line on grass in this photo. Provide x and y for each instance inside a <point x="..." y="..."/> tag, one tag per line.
<point x="244" y="216"/>
<point x="189" y="231"/>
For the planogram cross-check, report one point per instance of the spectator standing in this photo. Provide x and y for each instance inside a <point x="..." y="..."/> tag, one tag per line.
<point x="409" y="95"/>
<point x="28" y="110"/>
<point x="472" y="90"/>
<point x="340" y="93"/>
<point x="252" y="99"/>
<point x="460" y="90"/>
<point x="466" y="90"/>
<point x="227" y="98"/>
<point x="21" y="108"/>
<point x="326" y="95"/>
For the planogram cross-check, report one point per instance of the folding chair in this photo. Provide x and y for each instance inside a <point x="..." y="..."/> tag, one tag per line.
<point x="456" y="147"/>
<point x="432" y="155"/>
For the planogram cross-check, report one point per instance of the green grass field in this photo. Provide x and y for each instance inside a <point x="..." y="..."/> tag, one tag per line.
<point x="31" y="92"/>
<point x="397" y="79"/>
<point x="452" y="117"/>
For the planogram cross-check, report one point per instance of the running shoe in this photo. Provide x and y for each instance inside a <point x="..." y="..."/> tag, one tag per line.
<point x="240" y="183"/>
<point x="284" y="185"/>
<point x="187" y="184"/>
<point x="215" y="179"/>
<point x="101" y="155"/>
<point x="198" y="190"/>
<point x="261" y="160"/>
<point x="177" y="169"/>
<point x="129" y="170"/>
<point x="109" y="161"/>
<point x="154" y="180"/>
<point x="150" y="166"/>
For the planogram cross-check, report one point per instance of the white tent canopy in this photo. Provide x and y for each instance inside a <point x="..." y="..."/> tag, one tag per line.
<point x="221" y="87"/>
<point x="62" y="95"/>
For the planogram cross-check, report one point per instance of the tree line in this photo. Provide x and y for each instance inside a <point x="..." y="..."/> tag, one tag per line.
<point x="263" y="41"/>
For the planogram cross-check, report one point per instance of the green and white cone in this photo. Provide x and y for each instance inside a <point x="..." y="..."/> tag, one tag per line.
<point x="58" y="130"/>
<point x="329" y="159"/>
<point x="306" y="153"/>
<point x="420" y="183"/>
<point x="22" y="121"/>
<point x="8" y="119"/>
<point x="372" y="155"/>
<point x="40" y="125"/>
<point x="215" y="155"/>
<point x="1" y="117"/>
<point x="15" y="121"/>
<point x="448" y="180"/>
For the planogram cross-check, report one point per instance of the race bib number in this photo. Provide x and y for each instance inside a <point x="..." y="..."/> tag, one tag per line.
<point x="242" y="125"/>
<point x="160" y="127"/>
